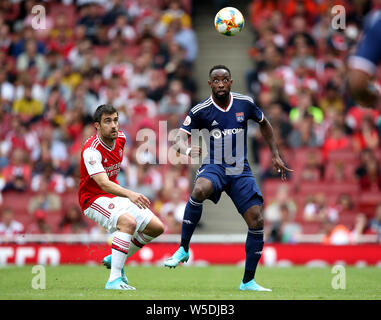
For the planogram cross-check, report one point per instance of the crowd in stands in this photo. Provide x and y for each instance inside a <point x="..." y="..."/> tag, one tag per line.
<point x="139" y="56"/>
<point x="299" y="79"/>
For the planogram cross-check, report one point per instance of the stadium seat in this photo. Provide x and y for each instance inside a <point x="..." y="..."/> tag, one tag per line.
<point x="346" y="155"/>
<point x="368" y="201"/>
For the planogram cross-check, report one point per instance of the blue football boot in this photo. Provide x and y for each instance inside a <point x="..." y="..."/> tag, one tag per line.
<point x="252" y="286"/>
<point x="118" y="284"/>
<point x="179" y="256"/>
<point x="107" y="264"/>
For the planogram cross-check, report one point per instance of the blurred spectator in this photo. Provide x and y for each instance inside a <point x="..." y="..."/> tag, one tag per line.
<point x="115" y="10"/>
<point x="61" y="36"/>
<point x="371" y="179"/>
<point x="48" y="179"/>
<point x="312" y="168"/>
<point x="72" y="221"/>
<point x="345" y="204"/>
<point x="174" y="11"/>
<point x="122" y="28"/>
<point x="157" y="85"/>
<point x="273" y="211"/>
<point x="32" y="61"/>
<point x="366" y="137"/>
<point x="183" y="73"/>
<point x="317" y="209"/>
<point x="90" y="18"/>
<point x="82" y="56"/>
<point x="140" y="106"/>
<point x="336" y="234"/>
<point x="140" y="76"/>
<point x="172" y="212"/>
<point x="44" y="199"/>
<point x="39" y="224"/>
<point x="336" y="139"/>
<point x="305" y="106"/>
<point x="331" y="99"/>
<point x="18" y="173"/>
<point x="175" y="178"/>
<point x="360" y="228"/>
<point x="8" y="225"/>
<point x="175" y="100"/>
<point x="279" y="120"/>
<point x="7" y="89"/>
<point x="25" y="35"/>
<point x="303" y="134"/>
<point x="186" y="38"/>
<point x="285" y="230"/>
<point x="20" y="137"/>
<point x="28" y="108"/>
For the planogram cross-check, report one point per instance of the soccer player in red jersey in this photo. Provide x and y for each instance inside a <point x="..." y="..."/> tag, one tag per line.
<point x="119" y="210"/>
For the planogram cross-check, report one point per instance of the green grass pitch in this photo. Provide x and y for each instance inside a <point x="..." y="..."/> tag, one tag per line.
<point x="74" y="282"/>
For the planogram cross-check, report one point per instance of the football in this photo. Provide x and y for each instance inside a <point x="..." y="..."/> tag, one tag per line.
<point x="229" y="21"/>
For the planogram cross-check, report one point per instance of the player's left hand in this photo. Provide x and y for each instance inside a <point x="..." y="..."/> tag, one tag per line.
<point x="280" y="167"/>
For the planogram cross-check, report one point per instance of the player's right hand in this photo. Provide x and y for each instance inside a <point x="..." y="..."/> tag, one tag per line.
<point x="139" y="199"/>
<point x="195" y="152"/>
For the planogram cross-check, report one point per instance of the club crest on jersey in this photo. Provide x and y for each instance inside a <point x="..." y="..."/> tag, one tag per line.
<point x="111" y="206"/>
<point x="187" y="121"/>
<point x="240" y="116"/>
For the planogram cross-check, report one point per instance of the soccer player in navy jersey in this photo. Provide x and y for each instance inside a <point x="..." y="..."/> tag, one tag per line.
<point x="364" y="62"/>
<point x="222" y="120"/>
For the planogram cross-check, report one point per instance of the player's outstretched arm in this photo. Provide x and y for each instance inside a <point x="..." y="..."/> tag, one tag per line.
<point x="268" y="135"/>
<point x="111" y="187"/>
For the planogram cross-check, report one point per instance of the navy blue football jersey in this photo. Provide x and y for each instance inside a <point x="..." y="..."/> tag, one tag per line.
<point x="224" y="130"/>
<point x="368" y="50"/>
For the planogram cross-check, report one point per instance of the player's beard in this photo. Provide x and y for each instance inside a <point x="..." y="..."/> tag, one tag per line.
<point x="109" y="138"/>
<point x="221" y="98"/>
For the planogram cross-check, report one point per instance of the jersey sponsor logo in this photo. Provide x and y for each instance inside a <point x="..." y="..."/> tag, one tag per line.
<point x="214" y="123"/>
<point x="113" y="170"/>
<point x="240" y="116"/>
<point x="217" y="133"/>
<point x="187" y="121"/>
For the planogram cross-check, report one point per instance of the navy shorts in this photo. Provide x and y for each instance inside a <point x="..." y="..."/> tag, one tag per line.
<point x="241" y="188"/>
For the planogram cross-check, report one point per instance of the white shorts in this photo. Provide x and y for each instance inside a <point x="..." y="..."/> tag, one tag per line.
<point x="106" y="212"/>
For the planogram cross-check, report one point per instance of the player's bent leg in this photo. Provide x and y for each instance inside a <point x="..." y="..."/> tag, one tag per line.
<point x="153" y="227"/>
<point x="126" y="225"/>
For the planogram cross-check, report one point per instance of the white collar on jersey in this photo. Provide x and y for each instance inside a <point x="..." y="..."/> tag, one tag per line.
<point x="222" y="109"/>
<point x="105" y="145"/>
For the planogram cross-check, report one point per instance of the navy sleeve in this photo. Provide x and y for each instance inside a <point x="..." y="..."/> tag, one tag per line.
<point x="368" y="51"/>
<point x="190" y="122"/>
<point x="255" y="113"/>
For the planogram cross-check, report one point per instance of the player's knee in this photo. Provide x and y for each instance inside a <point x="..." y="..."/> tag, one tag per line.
<point x="254" y="219"/>
<point x="126" y="223"/>
<point x="159" y="229"/>
<point x="199" y="193"/>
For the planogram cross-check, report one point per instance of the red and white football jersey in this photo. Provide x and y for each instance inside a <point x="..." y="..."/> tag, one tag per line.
<point x="97" y="157"/>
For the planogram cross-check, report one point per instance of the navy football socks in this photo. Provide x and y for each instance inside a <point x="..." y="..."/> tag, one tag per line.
<point x="192" y="216"/>
<point x="253" y="248"/>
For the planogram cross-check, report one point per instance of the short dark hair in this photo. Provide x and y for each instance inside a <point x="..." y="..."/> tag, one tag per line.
<point x="219" y="66"/>
<point x="103" y="109"/>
